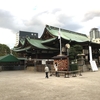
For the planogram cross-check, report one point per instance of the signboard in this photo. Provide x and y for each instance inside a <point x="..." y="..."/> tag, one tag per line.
<point x="43" y="61"/>
<point x="93" y="65"/>
<point x="92" y="62"/>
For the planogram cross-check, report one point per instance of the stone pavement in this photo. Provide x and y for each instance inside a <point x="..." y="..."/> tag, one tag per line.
<point x="28" y="85"/>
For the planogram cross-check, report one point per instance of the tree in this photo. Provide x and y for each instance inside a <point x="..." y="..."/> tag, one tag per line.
<point x="15" y="54"/>
<point x="78" y="49"/>
<point x="74" y="50"/>
<point x="4" y="49"/>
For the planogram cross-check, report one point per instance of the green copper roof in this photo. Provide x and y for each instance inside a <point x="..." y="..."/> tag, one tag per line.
<point x="20" y="44"/>
<point x="38" y="44"/>
<point x="67" y="35"/>
<point x="34" y="43"/>
<point x="22" y="41"/>
<point x="21" y="49"/>
<point x="49" y="40"/>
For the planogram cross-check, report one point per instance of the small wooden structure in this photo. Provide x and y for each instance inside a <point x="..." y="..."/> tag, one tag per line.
<point x="62" y="62"/>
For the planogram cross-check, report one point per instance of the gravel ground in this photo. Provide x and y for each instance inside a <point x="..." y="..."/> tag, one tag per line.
<point x="25" y="85"/>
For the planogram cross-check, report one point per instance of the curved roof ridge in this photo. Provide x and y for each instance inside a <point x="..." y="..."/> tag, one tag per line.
<point x="61" y="29"/>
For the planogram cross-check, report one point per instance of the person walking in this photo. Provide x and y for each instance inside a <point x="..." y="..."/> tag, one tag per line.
<point x="46" y="71"/>
<point x="49" y="69"/>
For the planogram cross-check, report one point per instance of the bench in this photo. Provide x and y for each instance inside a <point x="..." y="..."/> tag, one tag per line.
<point x="67" y="73"/>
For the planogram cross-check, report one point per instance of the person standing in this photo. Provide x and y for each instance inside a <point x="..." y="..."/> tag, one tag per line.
<point x="56" y="69"/>
<point x="46" y="71"/>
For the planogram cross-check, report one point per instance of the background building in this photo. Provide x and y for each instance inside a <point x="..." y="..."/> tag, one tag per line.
<point x="24" y="34"/>
<point x="95" y="35"/>
<point x="17" y="39"/>
<point x="47" y="46"/>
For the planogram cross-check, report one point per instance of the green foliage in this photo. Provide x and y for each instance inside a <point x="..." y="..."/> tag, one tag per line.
<point x="78" y="49"/>
<point x="72" y="53"/>
<point x="73" y="67"/>
<point x="4" y="49"/>
<point x="74" y="50"/>
<point x="15" y="54"/>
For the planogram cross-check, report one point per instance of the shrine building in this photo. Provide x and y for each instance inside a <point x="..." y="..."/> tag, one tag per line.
<point x="43" y="49"/>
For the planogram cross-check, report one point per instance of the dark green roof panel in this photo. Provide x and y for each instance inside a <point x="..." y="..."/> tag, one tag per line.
<point x="8" y="58"/>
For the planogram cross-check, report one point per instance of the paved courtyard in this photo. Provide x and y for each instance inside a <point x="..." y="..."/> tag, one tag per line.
<point x="28" y="85"/>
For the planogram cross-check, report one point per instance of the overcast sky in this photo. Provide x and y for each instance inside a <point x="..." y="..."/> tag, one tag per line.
<point x="32" y="16"/>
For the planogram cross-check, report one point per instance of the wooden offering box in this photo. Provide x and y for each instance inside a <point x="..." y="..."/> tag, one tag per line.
<point x="62" y="62"/>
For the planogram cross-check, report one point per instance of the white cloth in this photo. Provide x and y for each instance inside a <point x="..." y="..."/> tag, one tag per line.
<point x="56" y="67"/>
<point x="46" y="69"/>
